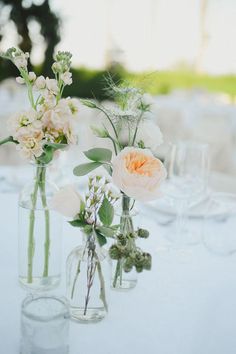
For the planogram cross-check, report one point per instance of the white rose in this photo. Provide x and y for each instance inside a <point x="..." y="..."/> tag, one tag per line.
<point x="148" y="134"/>
<point x="138" y="173"/>
<point x="40" y="82"/>
<point x="32" y="76"/>
<point x="67" y="201"/>
<point x="52" y="85"/>
<point x="67" y="78"/>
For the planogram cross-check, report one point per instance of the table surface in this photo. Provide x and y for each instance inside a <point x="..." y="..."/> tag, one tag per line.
<point x="182" y="306"/>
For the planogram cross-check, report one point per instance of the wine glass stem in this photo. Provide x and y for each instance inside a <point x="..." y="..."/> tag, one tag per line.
<point x="181" y="220"/>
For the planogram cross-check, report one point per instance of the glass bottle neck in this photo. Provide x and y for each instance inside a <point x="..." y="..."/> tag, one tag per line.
<point x="125" y="204"/>
<point x="40" y="172"/>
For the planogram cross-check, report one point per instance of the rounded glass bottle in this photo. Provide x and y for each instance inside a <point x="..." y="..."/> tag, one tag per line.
<point x="87" y="269"/>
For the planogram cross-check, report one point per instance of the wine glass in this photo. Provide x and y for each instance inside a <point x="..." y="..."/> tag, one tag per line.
<point x="187" y="168"/>
<point x="219" y="235"/>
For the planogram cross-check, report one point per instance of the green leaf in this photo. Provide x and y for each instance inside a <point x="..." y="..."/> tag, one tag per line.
<point x="101" y="239"/>
<point x="106" y="212"/>
<point x="77" y="223"/>
<point x="57" y="146"/>
<point x="47" y="155"/>
<point x="88" y="103"/>
<point x="108" y="169"/>
<point x="106" y="231"/>
<point x="85" y="168"/>
<point x="98" y="154"/>
<point x="88" y="229"/>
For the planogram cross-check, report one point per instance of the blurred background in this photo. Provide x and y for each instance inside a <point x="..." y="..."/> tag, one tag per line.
<point x="182" y="53"/>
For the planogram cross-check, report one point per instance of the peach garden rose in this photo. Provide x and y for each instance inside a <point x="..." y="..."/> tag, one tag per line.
<point x="138" y="173"/>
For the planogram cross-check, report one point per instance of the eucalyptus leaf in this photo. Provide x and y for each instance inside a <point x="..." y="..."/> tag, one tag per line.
<point x="106" y="212"/>
<point x="101" y="238"/>
<point x="84" y="169"/>
<point x="99" y="154"/>
<point x="77" y="223"/>
<point x="108" y="169"/>
<point x="106" y="231"/>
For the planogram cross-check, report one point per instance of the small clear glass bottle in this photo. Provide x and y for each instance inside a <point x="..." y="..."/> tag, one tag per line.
<point x="39" y="234"/>
<point x="86" y="274"/>
<point x="121" y="278"/>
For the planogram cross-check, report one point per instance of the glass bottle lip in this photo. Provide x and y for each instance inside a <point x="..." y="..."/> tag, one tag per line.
<point x="42" y="165"/>
<point x="64" y="312"/>
<point x="126" y="214"/>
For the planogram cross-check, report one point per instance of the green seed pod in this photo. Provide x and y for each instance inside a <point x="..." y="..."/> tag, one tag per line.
<point x="122" y="239"/>
<point x="143" y="233"/>
<point x="128" y="264"/>
<point x="147" y="261"/>
<point x="114" y="252"/>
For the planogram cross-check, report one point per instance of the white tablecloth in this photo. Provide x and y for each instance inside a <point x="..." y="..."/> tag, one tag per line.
<point x="178" y="307"/>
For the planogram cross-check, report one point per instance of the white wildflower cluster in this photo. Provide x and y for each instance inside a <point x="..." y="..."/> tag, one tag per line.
<point x="98" y="188"/>
<point x="51" y="117"/>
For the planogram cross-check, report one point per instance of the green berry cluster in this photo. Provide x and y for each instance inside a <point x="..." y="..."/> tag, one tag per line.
<point x="133" y="257"/>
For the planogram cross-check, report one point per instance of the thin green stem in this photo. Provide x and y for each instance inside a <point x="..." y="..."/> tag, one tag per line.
<point x="136" y="129"/>
<point x="31" y="242"/>
<point x="75" y="279"/>
<point x="117" y="273"/>
<point x="102" y="284"/>
<point x="9" y="139"/>
<point x="47" y="221"/>
<point x="114" y="143"/>
<point x="112" y="124"/>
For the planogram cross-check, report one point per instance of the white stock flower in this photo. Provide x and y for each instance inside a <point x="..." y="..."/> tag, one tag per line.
<point x="21" y="120"/>
<point x="51" y="85"/>
<point x="20" y="80"/>
<point x="138" y="174"/>
<point x="67" y="201"/>
<point x="21" y="60"/>
<point x="40" y="83"/>
<point x="66" y="78"/>
<point x="30" y="143"/>
<point x="32" y="76"/>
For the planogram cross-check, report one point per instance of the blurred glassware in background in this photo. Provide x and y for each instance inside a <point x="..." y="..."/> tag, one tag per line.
<point x="45" y="325"/>
<point x="187" y="167"/>
<point x="219" y="231"/>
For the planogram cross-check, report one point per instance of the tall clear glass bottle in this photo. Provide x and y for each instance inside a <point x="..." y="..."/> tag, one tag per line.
<point x="39" y="234"/>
